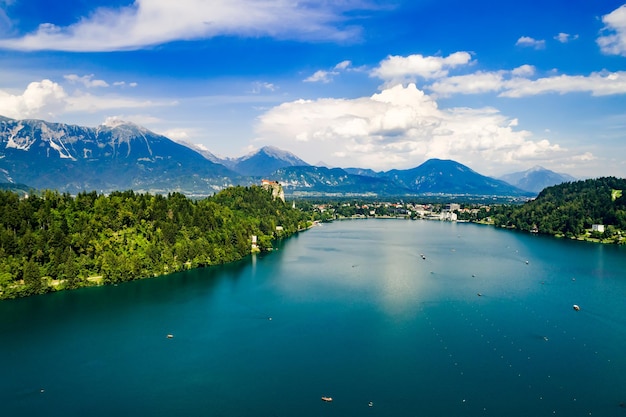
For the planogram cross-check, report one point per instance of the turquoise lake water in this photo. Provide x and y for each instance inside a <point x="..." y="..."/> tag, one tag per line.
<point x="481" y="325"/>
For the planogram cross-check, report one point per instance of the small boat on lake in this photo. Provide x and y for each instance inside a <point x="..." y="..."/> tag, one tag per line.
<point x="327" y="399"/>
<point x="576" y="307"/>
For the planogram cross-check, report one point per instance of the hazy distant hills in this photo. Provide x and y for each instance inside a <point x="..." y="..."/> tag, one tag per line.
<point x="20" y="189"/>
<point x="321" y="180"/>
<point x="263" y="162"/>
<point x="121" y="156"/>
<point x="362" y="171"/>
<point x="436" y="174"/>
<point x="536" y="179"/>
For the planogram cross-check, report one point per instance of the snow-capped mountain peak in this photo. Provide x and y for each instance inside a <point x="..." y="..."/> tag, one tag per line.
<point x="113" y="122"/>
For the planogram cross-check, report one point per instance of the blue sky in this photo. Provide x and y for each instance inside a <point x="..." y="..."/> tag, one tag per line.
<point x="499" y="86"/>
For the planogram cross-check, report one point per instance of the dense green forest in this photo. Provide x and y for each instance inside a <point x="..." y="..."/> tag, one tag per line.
<point x="51" y="241"/>
<point x="570" y="210"/>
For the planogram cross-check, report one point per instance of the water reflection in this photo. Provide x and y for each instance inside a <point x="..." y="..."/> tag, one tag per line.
<point x="357" y="313"/>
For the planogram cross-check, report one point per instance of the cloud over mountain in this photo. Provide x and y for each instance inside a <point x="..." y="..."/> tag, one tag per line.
<point x="40" y="99"/>
<point x="382" y="84"/>
<point x="48" y="99"/>
<point x="400" y="126"/>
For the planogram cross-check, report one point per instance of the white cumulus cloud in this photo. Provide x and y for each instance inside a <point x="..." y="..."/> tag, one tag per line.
<point x="613" y="42"/>
<point x="565" y="37"/>
<point x="399" y="127"/>
<point x="152" y="22"/>
<point x="400" y="69"/>
<point x="46" y="99"/>
<point x="522" y="81"/>
<point x="41" y="99"/>
<point x="518" y="83"/>
<point x="531" y="42"/>
<point x="478" y="82"/>
<point x="524" y="70"/>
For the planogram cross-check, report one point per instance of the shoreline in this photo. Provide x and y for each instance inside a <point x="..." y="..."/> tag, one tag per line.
<point x="579" y="238"/>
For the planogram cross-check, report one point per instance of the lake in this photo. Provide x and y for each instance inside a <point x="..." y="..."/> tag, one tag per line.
<point x="420" y="318"/>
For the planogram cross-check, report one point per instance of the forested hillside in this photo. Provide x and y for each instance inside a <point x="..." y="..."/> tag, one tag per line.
<point x="56" y="241"/>
<point x="570" y="209"/>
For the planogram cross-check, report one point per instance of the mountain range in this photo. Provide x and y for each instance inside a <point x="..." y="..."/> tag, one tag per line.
<point x="109" y="157"/>
<point x="120" y="155"/>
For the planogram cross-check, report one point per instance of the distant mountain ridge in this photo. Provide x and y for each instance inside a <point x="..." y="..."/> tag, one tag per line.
<point x="434" y="176"/>
<point x="121" y="155"/>
<point x="263" y="162"/>
<point x="437" y="174"/>
<point x="322" y="180"/>
<point x="536" y="179"/>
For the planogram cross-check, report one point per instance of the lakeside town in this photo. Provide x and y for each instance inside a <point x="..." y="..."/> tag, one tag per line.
<point x="443" y="212"/>
<point x="454" y="212"/>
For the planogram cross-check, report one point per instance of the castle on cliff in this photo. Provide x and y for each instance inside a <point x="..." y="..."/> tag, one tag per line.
<point x="275" y="187"/>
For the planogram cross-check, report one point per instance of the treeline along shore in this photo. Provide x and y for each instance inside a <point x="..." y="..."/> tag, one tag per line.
<point x="593" y="209"/>
<point x="51" y="241"/>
